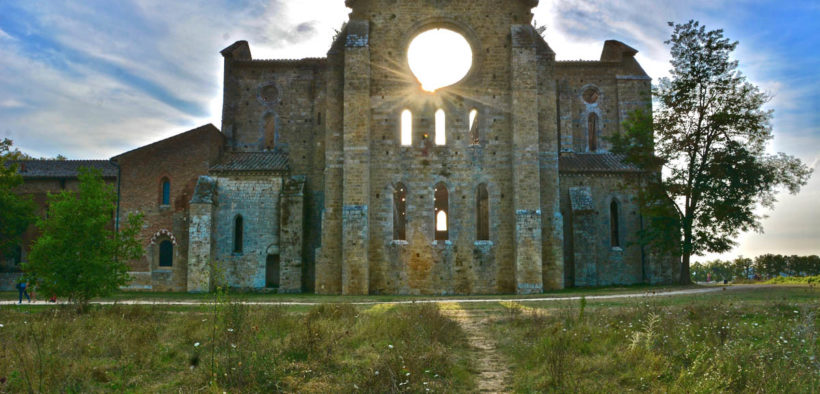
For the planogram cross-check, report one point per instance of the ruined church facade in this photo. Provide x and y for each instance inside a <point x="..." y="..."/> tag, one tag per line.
<point x="522" y="196"/>
<point x="340" y="175"/>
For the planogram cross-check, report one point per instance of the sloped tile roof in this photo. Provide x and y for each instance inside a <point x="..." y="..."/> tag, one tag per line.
<point x="31" y="169"/>
<point x="174" y="139"/>
<point x="252" y="162"/>
<point x="595" y="162"/>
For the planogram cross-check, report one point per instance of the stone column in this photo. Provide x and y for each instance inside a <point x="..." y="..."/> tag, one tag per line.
<point x="584" y="236"/>
<point x="552" y="220"/>
<point x="291" y="233"/>
<point x="356" y="178"/>
<point x="200" y="235"/>
<point x="565" y="117"/>
<point x="526" y="171"/>
<point x="329" y="255"/>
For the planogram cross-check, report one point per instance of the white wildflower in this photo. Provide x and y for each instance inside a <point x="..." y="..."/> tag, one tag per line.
<point x="407" y="374"/>
<point x="230" y="330"/>
<point x="377" y="373"/>
<point x="196" y="344"/>
<point x="233" y="346"/>
<point x="389" y="346"/>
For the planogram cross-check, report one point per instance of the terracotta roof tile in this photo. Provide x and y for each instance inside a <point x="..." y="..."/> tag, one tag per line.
<point x="31" y="169"/>
<point x="252" y="161"/>
<point x="595" y="162"/>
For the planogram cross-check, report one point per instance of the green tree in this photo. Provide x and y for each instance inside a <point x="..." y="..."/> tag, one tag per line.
<point x="79" y="255"/>
<point x="742" y="267"/>
<point x="707" y="137"/>
<point x="16" y="212"/>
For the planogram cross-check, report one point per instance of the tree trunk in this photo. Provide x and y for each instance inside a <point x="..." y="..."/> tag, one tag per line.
<point x="685" y="277"/>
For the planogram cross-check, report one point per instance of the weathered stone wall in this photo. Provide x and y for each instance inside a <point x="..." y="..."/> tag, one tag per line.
<point x="621" y="86"/>
<point x="420" y="264"/>
<point x="280" y="105"/>
<point x="339" y="119"/>
<point x="590" y="257"/>
<point x="291" y="235"/>
<point x="256" y="197"/>
<point x="181" y="159"/>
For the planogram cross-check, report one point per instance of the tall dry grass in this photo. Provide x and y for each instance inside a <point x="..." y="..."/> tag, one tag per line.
<point x="697" y="346"/>
<point x="230" y="346"/>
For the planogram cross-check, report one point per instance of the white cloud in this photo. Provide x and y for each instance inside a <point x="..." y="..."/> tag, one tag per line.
<point x="5" y="36"/>
<point x="11" y="103"/>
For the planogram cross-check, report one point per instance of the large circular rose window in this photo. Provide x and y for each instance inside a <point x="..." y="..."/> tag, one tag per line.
<point x="439" y="58"/>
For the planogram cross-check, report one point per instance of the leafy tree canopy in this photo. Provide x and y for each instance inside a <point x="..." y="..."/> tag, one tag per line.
<point x="16" y="212"/>
<point x="79" y="255"/>
<point x="708" y="137"/>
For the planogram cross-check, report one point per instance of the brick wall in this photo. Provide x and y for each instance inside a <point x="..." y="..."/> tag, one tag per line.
<point x="181" y="159"/>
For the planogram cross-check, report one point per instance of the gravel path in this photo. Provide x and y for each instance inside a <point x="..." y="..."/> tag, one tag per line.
<point x="493" y="368"/>
<point x="648" y="293"/>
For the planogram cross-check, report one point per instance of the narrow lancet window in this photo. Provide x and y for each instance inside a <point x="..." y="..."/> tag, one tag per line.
<point x="593" y="132"/>
<point x="441" y="128"/>
<point x="474" y="137"/>
<point x="482" y="213"/>
<point x="406" y="128"/>
<point x="614" y="225"/>
<point x="165" y="198"/>
<point x="270" y="132"/>
<point x="441" y="205"/>
<point x="400" y="213"/>
<point x="239" y="228"/>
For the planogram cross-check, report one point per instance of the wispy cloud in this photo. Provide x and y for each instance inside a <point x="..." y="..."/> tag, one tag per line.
<point x="5" y="36"/>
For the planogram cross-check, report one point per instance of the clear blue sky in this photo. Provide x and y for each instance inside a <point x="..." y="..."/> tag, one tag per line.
<point x="94" y="78"/>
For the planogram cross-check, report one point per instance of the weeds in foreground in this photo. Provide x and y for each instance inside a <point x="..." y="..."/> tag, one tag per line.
<point x="233" y="348"/>
<point x="703" y="346"/>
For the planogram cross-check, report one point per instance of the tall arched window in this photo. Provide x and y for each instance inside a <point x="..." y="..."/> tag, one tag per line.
<point x="270" y="132"/>
<point x="238" y="229"/>
<point x="615" y="235"/>
<point x="593" y="132"/>
<point x="166" y="253"/>
<point x="400" y="213"/>
<point x="482" y="211"/>
<point x="165" y="196"/>
<point x="441" y="128"/>
<point x="441" y="206"/>
<point x="474" y="137"/>
<point x="406" y="128"/>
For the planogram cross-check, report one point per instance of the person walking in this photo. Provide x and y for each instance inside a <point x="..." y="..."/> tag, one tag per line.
<point x="21" y="288"/>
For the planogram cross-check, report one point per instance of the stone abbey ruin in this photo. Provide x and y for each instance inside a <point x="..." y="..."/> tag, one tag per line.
<point x="341" y="175"/>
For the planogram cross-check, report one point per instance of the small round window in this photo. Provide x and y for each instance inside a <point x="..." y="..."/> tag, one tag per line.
<point x="439" y="58"/>
<point x="269" y="94"/>
<point x="591" y="95"/>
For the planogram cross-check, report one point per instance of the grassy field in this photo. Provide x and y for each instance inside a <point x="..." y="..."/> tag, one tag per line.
<point x="752" y="340"/>
<point x="232" y="347"/>
<point x="744" y="339"/>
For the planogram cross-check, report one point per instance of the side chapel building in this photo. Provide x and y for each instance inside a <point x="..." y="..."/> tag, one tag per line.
<point x="328" y="175"/>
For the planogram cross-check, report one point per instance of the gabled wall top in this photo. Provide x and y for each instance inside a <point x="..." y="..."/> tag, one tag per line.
<point x="361" y="8"/>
